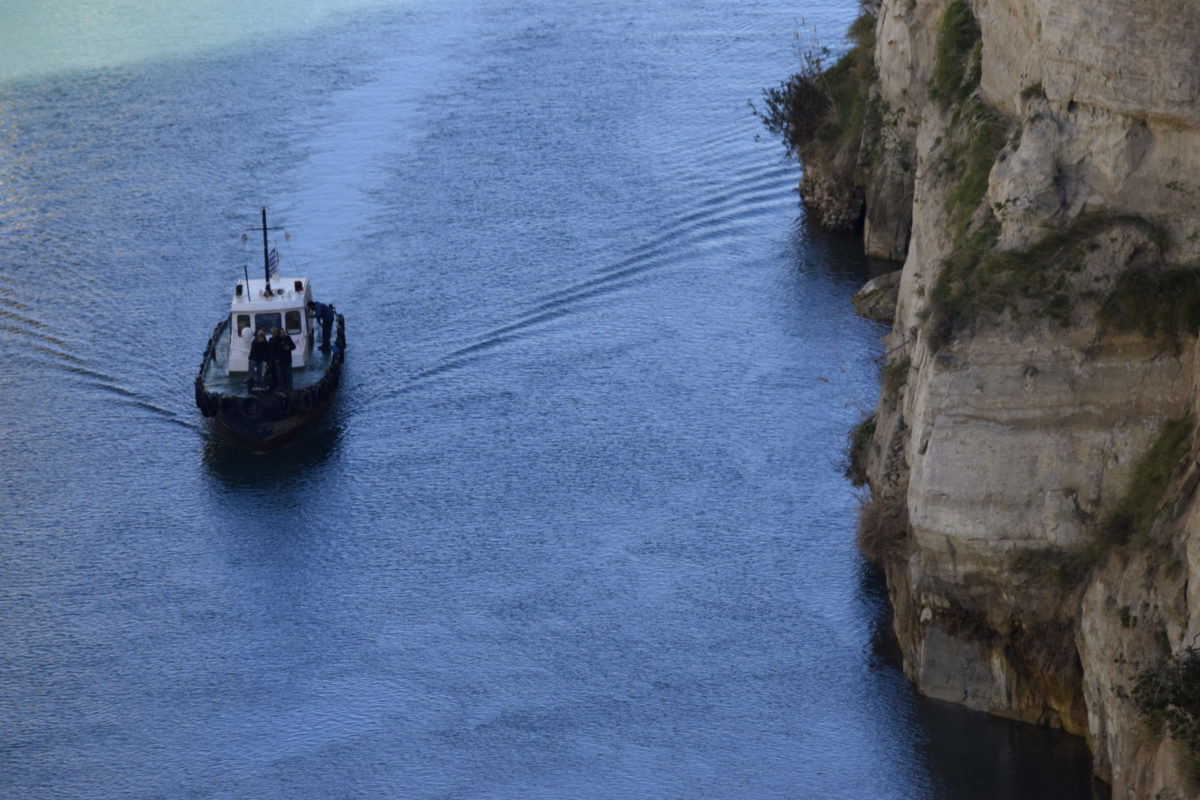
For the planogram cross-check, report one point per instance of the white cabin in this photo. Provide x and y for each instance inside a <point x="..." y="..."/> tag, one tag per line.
<point x="285" y="307"/>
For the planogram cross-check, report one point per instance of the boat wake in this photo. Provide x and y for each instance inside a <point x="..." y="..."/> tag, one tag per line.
<point x="707" y="224"/>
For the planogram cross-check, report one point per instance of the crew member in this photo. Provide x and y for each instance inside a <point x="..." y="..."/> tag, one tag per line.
<point x="260" y="357"/>
<point x="324" y="313"/>
<point x="282" y="346"/>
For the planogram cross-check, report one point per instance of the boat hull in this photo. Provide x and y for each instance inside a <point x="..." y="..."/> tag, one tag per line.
<point x="265" y="419"/>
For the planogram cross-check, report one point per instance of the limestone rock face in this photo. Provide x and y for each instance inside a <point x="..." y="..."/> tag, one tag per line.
<point x="904" y="40"/>
<point x="886" y="220"/>
<point x="1109" y="91"/>
<point x="1136" y="58"/>
<point x="836" y="204"/>
<point x="1075" y="159"/>
<point x="1131" y="607"/>
<point x="1017" y="441"/>
<point x="1010" y="441"/>
<point x="877" y="299"/>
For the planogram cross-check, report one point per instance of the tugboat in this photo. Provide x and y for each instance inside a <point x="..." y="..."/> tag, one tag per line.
<point x="257" y="408"/>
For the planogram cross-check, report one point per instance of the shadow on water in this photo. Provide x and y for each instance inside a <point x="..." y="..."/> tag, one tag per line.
<point x="980" y="755"/>
<point x="836" y="254"/>
<point x="236" y="465"/>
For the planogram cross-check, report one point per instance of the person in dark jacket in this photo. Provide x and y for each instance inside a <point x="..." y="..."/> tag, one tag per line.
<point x="282" y="346"/>
<point x="260" y="358"/>
<point x="323" y="313"/>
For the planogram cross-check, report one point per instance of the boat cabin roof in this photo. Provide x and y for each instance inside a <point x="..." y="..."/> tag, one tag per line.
<point x="285" y="293"/>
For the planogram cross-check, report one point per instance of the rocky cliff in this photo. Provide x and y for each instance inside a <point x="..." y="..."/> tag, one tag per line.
<point x="1032" y="459"/>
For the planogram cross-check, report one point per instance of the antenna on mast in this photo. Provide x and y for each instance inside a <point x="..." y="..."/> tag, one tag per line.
<point x="266" y="256"/>
<point x="266" y="253"/>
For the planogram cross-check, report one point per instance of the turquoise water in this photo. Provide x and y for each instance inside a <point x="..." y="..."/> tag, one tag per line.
<point x="39" y="38"/>
<point x="576" y="524"/>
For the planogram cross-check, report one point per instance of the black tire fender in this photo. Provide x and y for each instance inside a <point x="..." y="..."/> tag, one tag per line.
<point x="304" y="401"/>
<point x="228" y="406"/>
<point x="250" y="407"/>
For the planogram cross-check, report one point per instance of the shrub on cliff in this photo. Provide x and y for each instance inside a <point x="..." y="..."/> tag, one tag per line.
<point x="1168" y="696"/>
<point x="820" y="110"/>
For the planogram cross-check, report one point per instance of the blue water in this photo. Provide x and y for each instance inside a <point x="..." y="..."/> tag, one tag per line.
<point x="576" y="524"/>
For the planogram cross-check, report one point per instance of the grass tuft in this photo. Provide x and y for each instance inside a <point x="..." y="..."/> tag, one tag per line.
<point x="977" y="279"/>
<point x="956" y="70"/>
<point x="858" y="443"/>
<point x="1134" y="517"/>
<point x="1164" y="304"/>
<point x="973" y="162"/>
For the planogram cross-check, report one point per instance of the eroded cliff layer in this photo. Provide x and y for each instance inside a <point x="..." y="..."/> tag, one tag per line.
<point x="1031" y="458"/>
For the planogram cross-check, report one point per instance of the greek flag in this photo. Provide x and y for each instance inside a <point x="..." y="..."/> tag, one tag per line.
<point x="273" y="263"/>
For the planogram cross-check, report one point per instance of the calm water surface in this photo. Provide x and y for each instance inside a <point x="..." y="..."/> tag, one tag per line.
<point x="576" y="526"/>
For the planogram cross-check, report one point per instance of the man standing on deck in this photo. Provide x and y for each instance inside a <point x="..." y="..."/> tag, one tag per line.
<point x="325" y="314"/>
<point x="282" y="346"/>
<point x="260" y="357"/>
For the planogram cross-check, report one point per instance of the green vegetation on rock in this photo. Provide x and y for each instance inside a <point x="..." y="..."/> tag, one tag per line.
<point x="820" y="110"/>
<point x="1163" y="304"/>
<point x="1066" y="567"/>
<point x="957" y="60"/>
<point x="1134" y="517"/>
<point x="856" y="456"/>
<point x="1131" y="523"/>
<point x="975" y="276"/>
<point x="894" y="375"/>
<point x="977" y="279"/>
<point x="1167" y="694"/>
<point x="982" y="134"/>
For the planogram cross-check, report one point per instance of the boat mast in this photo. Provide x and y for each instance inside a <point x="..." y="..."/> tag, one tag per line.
<point x="266" y="255"/>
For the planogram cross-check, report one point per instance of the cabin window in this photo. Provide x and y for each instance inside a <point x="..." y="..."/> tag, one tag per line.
<point x="292" y="321"/>
<point x="268" y="321"/>
<point x="243" y="322"/>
